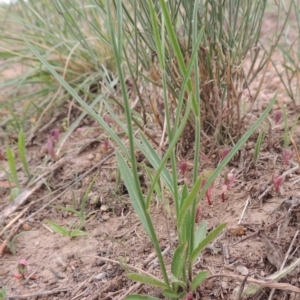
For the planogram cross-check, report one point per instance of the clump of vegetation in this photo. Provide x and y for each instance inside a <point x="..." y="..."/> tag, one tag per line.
<point x="190" y="56"/>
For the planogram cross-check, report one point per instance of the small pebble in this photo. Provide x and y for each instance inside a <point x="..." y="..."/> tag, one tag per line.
<point x="26" y="227"/>
<point x="104" y="207"/>
<point x="105" y="217"/>
<point x="100" y="276"/>
<point x="242" y="270"/>
<point x="91" y="156"/>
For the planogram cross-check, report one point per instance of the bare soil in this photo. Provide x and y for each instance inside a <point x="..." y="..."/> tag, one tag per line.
<point x="261" y="223"/>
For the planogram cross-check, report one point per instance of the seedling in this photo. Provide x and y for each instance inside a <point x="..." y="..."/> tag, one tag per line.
<point x="22" y="269"/>
<point x="51" y="141"/>
<point x="54" y="133"/>
<point x="50" y="148"/>
<point x="277" y="116"/>
<point x="63" y="230"/>
<point x="12" y="175"/>
<point x="287" y="156"/>
<point x="205" y="175"/>
<point x="182" y="167"/>
<point x="259" y="142"/>
<point x="81" y="214"/>
<point x="277" y="182"/>
<point x="22" y="152"/>
<point x="228" y="182"/>
<point x="223" y="153"/>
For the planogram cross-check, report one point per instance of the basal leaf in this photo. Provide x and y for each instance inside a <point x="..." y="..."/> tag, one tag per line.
<point x="200" y="234"/>
<point x="147" y="280"/>
<point x="212" y="235"/>
<point x="199" y="278"/>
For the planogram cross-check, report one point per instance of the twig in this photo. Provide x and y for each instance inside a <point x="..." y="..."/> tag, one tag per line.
<point x="16" y="218"/>
<point x="38" y="294"/>
<point x="244" y="210"/>
<point x="284" y="262"/>
<point x="241" y="289"/>
<point x="265" y="283"/>
<point x="289" y="250"/>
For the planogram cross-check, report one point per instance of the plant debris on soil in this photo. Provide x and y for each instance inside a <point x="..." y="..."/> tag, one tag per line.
<point x="261" y="238"/>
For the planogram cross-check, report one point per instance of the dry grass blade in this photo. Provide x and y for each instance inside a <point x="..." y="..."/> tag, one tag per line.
<point x="241" y="289"/>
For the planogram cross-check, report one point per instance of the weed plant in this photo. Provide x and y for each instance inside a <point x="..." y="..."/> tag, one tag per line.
<point x="52" y="27"/>
<point x="231" y="31"/>
<point x="186" y="90"/>
<point x="189" y="52"/>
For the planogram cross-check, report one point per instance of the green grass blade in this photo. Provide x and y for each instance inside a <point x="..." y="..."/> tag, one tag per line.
<point x="58" y="229"/>
<point x="212" y="235"/>
<point x="178" y="261"/>
<point x="200" y="234"/>
<point x="199" y="278"/>
<point x="238" y="145"/>
<point x="147" y="280"/>
<point x="22" y="152"/>
<point x="138" y="204"/>
<point x="188" y="202"/>
<point x="73" y="93"/>
<point x="12" y="166"/>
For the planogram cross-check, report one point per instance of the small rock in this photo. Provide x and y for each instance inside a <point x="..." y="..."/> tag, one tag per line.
<point x="104" y="207"/>
<point x="242" y="270"/>
<point x="26" y="227"/>
<point x="100" y="276"/>
<point x="91" y="156"/>
<point x="105" y="217"/>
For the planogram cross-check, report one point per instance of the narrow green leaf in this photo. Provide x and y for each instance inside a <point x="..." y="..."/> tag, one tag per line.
<point x="155" y="161"/>
<point x="188" y="202"/>
<point x="199" y="278"/>
<point x="178" y="260"/>
<point x="170" y="294"/>
<point x="147" y="280"/>
<point x="184" y="194"/>
<point x="212" y="235"/>
<point x="141" y="297"/>
<point x="12" y="166"/>
<point x="22" y="152"/>
<point x="200" y="234"/>
<point x="58" y="229"/>
<point x="238" y="145"/>
<point x="77" y="232"/>
<point x="84" y="199"/>
<point x="138" y="204"/>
